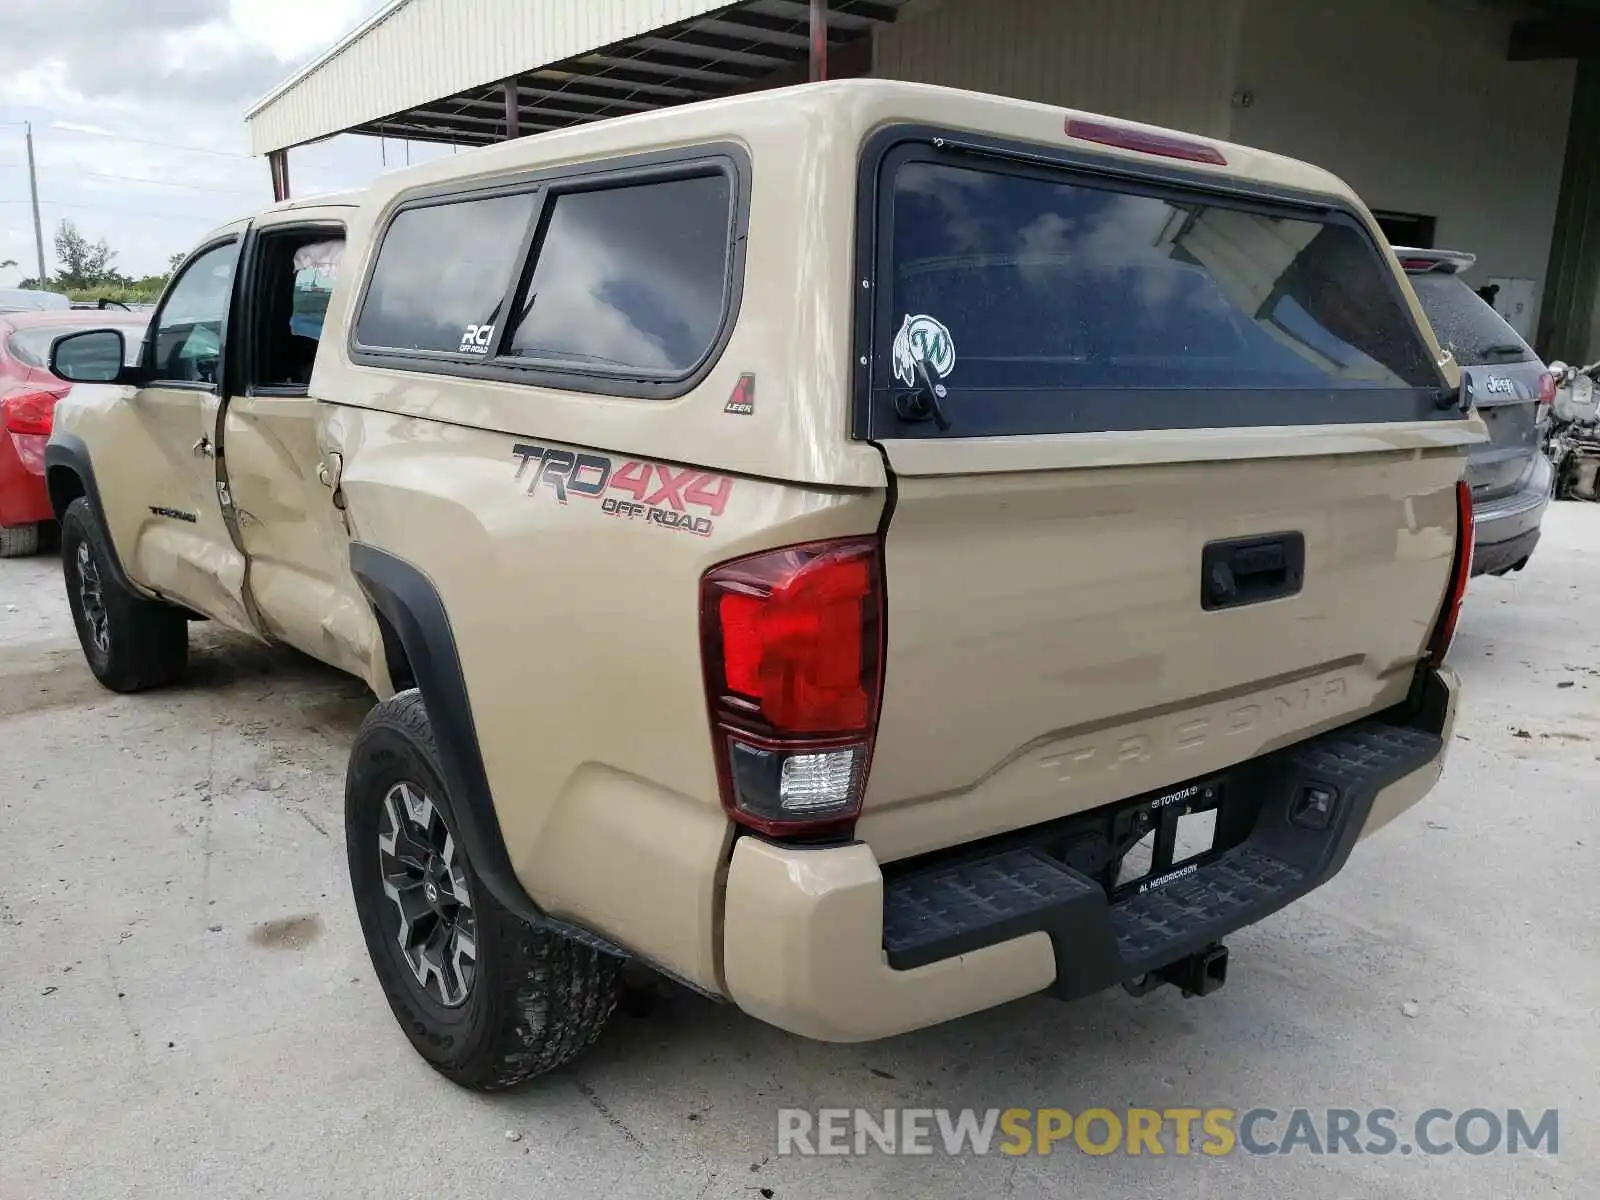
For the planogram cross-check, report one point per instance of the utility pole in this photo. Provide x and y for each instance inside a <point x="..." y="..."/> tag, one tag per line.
<point x="33" y="188"/>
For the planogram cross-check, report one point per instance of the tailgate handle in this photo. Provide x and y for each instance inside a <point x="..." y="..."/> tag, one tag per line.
<point x="1249" y="570"/>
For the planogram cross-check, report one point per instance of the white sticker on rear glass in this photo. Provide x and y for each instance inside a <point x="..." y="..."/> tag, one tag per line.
<point x="475" y="339"/>
<point x="923" y="339"/>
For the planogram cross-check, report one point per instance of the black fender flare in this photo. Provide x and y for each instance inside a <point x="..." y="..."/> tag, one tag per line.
<point x="68" y="452"/>
<point x="407" y="599"/>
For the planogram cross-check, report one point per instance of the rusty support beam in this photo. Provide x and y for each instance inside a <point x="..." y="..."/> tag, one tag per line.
<point x="278" y="165"/>
<point x="819" y="40"/>
<point x="513" y="109"/>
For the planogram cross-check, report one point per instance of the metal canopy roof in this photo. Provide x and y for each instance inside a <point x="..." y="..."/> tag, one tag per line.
<point x="428" y="71"/>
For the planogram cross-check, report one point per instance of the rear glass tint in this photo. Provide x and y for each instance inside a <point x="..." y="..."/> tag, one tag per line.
<point x="629" y="277"/>
<point x="1465" y="325"/>
<point x="1043" y="285"/>
<point x="442" y="269"/>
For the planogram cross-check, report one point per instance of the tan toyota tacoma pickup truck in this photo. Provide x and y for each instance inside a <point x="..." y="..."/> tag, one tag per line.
<point x="869" y="552"/>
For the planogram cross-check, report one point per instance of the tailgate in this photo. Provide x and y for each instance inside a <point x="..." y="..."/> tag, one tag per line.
<point x="1049" y="651"/>
<point x="1175" y="469"/>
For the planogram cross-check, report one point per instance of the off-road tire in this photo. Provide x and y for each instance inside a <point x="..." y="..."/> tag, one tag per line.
<point x="19" y="541"/>
<point x="147" y="643"/>
<point x="537" y="998"/>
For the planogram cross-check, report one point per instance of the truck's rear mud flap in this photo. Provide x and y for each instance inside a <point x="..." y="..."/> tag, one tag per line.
<point x="1284" y="825"/>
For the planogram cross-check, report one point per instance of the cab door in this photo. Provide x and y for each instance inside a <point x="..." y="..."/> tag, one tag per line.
<point x="279" y="484"/>
<point x="167" y="499"/>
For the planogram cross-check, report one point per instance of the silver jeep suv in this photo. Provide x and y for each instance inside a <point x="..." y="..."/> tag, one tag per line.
<point x="1512" y="391"/>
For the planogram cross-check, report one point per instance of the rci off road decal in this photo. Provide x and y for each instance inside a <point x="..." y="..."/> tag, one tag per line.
<point x="476" y="339"/>
<point x="661" y="495"/>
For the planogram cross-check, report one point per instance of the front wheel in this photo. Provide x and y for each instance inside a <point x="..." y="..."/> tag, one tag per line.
<point x="487" y="999"/>
<point x="129" y="642"/>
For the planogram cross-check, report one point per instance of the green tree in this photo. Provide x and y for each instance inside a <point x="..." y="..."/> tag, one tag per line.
<point x="84" y="264"/>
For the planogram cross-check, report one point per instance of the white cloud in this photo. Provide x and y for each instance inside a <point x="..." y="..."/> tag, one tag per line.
<point x="76" y="127"/>
<point x="137" y="109"/>
<point x="35" y="85"/>
<point x="296" y="29"/>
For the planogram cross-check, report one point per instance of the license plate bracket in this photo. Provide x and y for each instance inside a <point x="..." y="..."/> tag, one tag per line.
<point x="1154" y="842"/>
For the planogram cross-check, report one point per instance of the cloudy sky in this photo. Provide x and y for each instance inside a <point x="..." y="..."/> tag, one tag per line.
<point x="137" y="109"/>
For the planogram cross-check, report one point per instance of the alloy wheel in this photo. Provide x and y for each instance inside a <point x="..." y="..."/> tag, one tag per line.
<point x="91" y="598"/>
<point x="424" y="877"/>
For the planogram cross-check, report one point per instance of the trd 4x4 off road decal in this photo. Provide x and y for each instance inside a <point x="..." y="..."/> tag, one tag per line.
<point x="662" y="495"/>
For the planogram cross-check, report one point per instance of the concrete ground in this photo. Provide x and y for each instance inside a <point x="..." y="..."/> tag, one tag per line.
<point x="190" y="1012"/>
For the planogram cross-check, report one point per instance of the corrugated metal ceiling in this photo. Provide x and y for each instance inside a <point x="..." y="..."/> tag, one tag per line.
<point x="434" y="70"/>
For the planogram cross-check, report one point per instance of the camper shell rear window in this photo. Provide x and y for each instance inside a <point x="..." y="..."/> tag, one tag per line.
<point x="1037" y="295"/>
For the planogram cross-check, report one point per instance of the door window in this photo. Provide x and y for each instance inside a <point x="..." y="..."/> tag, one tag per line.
<point x="188" y="337"/>
<point x="292" y="282"/>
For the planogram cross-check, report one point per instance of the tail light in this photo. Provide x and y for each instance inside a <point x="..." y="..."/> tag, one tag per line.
<point x="29" y="413"/>
<point x="792" y="643"/>
<point x="1444" y="630"/>
<point x="1547" y="396"/>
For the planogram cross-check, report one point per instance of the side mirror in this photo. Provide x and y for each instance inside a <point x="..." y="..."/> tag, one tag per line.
<point x="89" y="356"/>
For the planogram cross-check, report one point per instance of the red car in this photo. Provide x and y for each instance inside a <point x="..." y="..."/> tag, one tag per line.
<point x="28" y="395"/>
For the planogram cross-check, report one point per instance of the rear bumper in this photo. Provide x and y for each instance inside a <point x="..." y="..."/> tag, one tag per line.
<point x="1506" y="529"/>
<point x="818" y="942"/>
<point x="1491" y="557"/>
